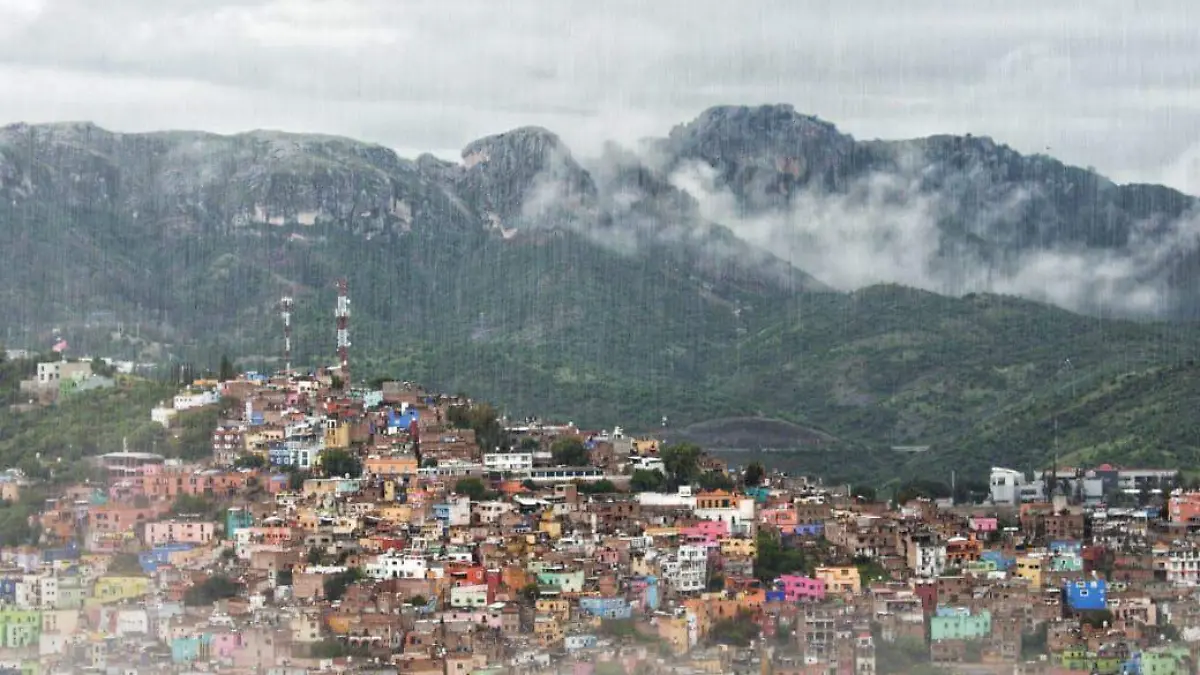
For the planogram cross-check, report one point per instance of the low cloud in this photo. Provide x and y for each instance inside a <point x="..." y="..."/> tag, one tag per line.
<point x="884" y="229"/>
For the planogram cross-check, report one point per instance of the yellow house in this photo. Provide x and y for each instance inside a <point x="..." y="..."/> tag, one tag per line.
<point x="556" y="607"/>
<point x="674" y="632"/>
<point x="337" y="437"/>
<point x="339" y="623"/>
<point x="839" y="579"/>
<point x="117" y="589"/>
<point x="1030" y="568"/>
<point x="389" y="490"/>
<point x="552" y="528"/>
<point x="548" y="631"/>
<point x="645" y="446"/>
<point x="739" y="547"/>
<point x="395" y="513"/>
<point x="659" y="532"/>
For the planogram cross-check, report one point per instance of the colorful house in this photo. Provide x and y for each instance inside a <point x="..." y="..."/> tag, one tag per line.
<point x="957" y="623"/>
<point x="20" y="627"/>
<point x="116" y="589"/>
<point x="1086" y="596"/>
<point x="839" y="579"/>
<point x="798" y="588"/>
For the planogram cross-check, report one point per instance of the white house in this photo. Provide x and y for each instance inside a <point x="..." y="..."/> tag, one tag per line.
<point x="515" y="462"/>
<point x="163" y="415"/>
<point x="1006" y="486"/>
<point x="189" y="400"/>
<point x="474" y="595"/>
<point x="687" y="570"/>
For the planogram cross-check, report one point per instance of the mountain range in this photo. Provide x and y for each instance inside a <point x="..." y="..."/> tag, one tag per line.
<point x="753" y="266"/>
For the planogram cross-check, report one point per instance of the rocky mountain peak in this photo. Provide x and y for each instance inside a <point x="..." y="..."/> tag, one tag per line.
<point x="519" y="172"/>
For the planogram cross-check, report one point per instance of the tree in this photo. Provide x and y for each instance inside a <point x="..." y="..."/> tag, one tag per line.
<point x="471" y="487"/>
<point x="603" y="486"/>
<point x="530" y="593"/>
<point x="569" y="451"/>
<point x="643" y="480"/>
<point x="754" y="474"/>
<point x="736" y="631"/>
<point x="484" y="421"/>
<point x="190" y="505"/>
<point x="335" y="586"/>
<point x="682" y="462"/>
<point x="864" y="492"/>
<point x="284" y="577"/>
<point x="227" y="372"/>
<point x="715" y="480"/>
<point x="338" y="463"/>
<point x="214" y="588"/>
<point x="125" y="565"/>
<point x="249" y="462"/>
<point x="772" y="558"/>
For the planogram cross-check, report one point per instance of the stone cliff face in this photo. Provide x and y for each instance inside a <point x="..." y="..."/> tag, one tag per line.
<point x="138" y="223"/>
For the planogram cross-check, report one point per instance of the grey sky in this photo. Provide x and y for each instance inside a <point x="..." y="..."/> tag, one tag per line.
<point x="1102" y="83"/>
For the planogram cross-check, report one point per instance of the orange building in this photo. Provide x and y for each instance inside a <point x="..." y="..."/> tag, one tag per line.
<point x="963" y="550"/>
<point x="1184" y="508"/>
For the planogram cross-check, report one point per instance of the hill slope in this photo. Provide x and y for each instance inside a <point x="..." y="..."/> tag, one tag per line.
<point x="629" y="287"/>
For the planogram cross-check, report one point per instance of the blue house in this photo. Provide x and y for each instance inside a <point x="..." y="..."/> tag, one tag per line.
<point x="237" y="519"/>
<point x="1001" y="561"/>
<point x="187" y="649"/>
<point x="606" y="608"/>
<point x="1083" y="596"/>
<point x="810" y="530"/>
<point x="401" y="421"/>
<point x="160" y="555"/>
<point x="68" y="552"/>
<point x="1066" y="546"/>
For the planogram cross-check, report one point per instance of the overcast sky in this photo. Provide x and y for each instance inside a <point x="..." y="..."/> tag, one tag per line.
<point x="1101" y="83"/>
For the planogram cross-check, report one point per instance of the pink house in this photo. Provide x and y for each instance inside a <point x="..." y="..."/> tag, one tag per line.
<point x="223" y="645"/>
<point x="177" y="531"/>
<point x="705" y="532"/>
<point x="983" y="524"/>
<point x="782" y="516"/>
<point x="797" y="588"/>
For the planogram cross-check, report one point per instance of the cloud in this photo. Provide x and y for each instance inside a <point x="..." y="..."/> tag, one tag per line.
<point x="885" y="229"/>
<point x="1104" y="84"/>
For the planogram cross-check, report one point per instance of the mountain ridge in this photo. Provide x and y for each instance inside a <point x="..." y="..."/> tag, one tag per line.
<point x="755" y="263"/>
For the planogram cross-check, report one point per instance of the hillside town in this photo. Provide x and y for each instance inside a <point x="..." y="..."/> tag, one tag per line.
<point x="394" y="530"/>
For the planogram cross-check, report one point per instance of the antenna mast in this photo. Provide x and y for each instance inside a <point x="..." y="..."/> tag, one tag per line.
<point x="285" y="312"/>
<point x="342" y="313"/>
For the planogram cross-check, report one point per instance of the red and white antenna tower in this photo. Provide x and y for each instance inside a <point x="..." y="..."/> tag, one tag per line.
<point x="343" y="330"/>
<point x="285" y="313"/>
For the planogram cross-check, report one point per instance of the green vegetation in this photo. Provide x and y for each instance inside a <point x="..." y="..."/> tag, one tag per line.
<point x="212" y="589"/>
<point x="736" y="631"/>
<point x="555" y="323"/>
<point x="55" y="438"/>
<point x="568" y="451"/>
<point x="772" y="558"/>
<point x="333" y="648"/>
<point x="192" y="505"/>
<point x="125" y="564"/>
<point x="646" y="481"/>
<point x="471" y="487"/>
<point x="339" y="463"/>
<point x="599" y="487"/>
<point x="335" y="586"/>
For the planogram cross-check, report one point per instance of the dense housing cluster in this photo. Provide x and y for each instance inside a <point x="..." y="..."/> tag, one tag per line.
<point x="390" y="529"/>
